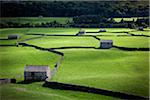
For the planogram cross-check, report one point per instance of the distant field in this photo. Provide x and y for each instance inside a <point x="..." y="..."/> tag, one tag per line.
<point x="146" y="32"/>
<point x="56" y="41"/>
<point x="132" y="41"/>
<point x="4" y="32"/>
<point x="35" y="20"/>
<point x="125" y="19"/>
<point x="62" y="20"/>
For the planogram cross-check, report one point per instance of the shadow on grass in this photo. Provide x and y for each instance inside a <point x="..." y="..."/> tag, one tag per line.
<point x="131" y="49"/>
<point x="6" y="45"/>
<point x="64" y="86"/>
<point x="4" y="39"/>
<point x="28" y="82"/>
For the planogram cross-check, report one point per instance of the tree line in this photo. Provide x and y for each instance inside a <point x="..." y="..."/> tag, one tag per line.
<point x="135" y="8"/>
<point x="87" y="21"/>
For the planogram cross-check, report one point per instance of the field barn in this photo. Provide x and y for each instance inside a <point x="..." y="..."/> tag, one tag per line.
<point x="36" y="73"/>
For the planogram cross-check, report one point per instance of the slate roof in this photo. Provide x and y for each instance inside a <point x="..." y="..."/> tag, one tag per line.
<point x="106" y="41"/>
<point x="36" y="68"/>
<point x="17" y="35"/>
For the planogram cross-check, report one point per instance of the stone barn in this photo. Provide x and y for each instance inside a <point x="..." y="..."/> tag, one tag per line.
<point x="81" y="32"/>
<point x="102" y="30"/>
<point x="106" y="44"/>
<point x="141" y="28"/>
<point x="13" y="36"/>
<point x="36" y="73"/>
<point x="7" y="80"/>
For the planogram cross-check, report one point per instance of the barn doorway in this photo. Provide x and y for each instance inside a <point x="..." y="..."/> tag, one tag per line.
<point x="32" y="75"/>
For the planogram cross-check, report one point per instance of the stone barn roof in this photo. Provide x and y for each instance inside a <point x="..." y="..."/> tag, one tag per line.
<point x="13" y="36"/>
<point x="102" y="30"/>
<point x="106" y="41"/>
<point x="36" y="68"/>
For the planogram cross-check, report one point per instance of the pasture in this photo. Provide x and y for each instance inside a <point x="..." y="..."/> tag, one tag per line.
<point x="35" y="20"/>
<point x="128" y="19"/>
<point x="110" y="69"/>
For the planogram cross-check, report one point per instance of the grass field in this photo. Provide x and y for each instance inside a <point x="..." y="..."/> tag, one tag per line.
<point x="146" y="32"/>
<point x="62" y="20"/>
<point x="112" y="69"/>
<point x="14" y="59"/>
<point x="4" y="32"/>
<point x="130" y="41"/>
<point x="108" y="69"/>
<point x="127" y="19"/>
<point x="57" y="41"/>
<point x="35" y="20"/>
<point x="35" y="91"/>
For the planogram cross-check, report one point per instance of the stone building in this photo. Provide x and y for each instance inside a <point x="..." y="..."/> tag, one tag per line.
<point x="106" y="44"/>
<point x="36" y="73"/>
<point x="13" y="36"/>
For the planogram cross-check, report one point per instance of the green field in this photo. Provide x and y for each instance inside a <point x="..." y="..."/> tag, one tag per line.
<point x="35" y="91"/>
<point x="127" y="19"/>
<point x="57" y="41"/>
<point x="62" y="20"/>
<point x="35" y="20"/>
<point x="14" y="59"/>
<point x="110" y="69"/>
<point x="130" y="41"/>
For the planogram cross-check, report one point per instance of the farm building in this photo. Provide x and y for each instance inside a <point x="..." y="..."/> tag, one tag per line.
<point x="81" y="32"/>
<point x="106" y="44"/>
<point x="7" y="80"/>
<point x="13" y="36"/>
<point x="141" y="29"/>
<point x="102" y="30"/>
<point x="36" y="73"/>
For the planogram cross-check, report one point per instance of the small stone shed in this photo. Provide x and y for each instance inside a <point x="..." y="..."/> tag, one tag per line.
<point x="7" y="80"/>
<point x="13" y="36"/>
<point x="81" y="32"/>
<point x="36" y="73"/>
<point x="102" y="30"/>
<point x="106" y="44"/>
<point x="141" y="28"/>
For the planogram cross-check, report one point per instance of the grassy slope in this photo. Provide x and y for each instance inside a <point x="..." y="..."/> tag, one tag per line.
<point x="14" y="41"/>
<point x="125" y="19"/>
<point x="128" y="19"/>
<point x="35" y="91"/>
<point x="108" y="69"/>
<point x="55" y="41"/>
<point x="109" y="29"/>
<point x="35" y="20"/>
<point x="114" y="70"/>
<point x="14" y="59"/>
<point x="132" y="41"/>
<point x="4" y="32"/>
<point x="61" y="20"/>
<point x="146" y="32"/>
